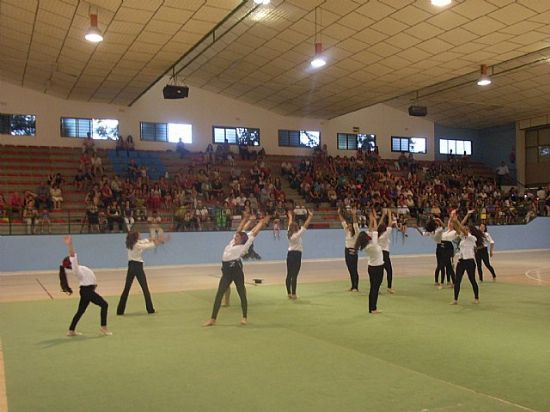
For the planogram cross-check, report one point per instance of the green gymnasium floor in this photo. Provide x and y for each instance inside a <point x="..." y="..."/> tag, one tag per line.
<point x="323" y="352"/>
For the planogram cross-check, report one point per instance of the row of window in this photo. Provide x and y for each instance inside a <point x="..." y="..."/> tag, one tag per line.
<point x="25" y="125"/>
<point x="537" y="145"/>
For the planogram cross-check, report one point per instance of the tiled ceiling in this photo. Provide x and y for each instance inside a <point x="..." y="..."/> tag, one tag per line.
<point x="378" y="51"/>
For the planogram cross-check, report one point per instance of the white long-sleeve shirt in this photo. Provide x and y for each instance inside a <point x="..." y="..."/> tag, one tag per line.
<point x="85" y="275"/>
<point x="448" y="236"/>
<point x="467" y="247"/>
<point x="384" y="240"/>
<point x="136" y="252"/>
<point x="435" y="235"/>
<point x="234" y="252"/>
<point x="295" y="241"/>
<point x="350" y="240"/>
<point x="374" y="251"/>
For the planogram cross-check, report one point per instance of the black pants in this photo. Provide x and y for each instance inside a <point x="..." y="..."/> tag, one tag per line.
<point x="351" y="263"/>
<point x="231" y="272"/>
<point x="448" y="252"/>
<point x="87" y="295"/>
<point x="440" y="258"/>
<point x="388" y="267"/>
<point x="135" y="270"/>
<point x="376" y="275"/>
<point x="483" y="255"/>
<point x="468" y="266"/>
<point x="293" y="264"/>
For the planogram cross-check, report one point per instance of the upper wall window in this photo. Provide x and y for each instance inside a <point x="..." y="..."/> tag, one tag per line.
<point x="354" y="141"/>
<point x="408" y="144"/>
<point x="248" y="136"/>
<point x="456" y="147"/>
<point x="102" y="129"/>
<point x="299" y="138"/>
<point x="537" y="145"/>
<point x="166" y="132"/>
<point x="18" y="124"/>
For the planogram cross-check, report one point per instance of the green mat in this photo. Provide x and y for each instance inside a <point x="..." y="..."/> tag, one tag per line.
<point x="323" y="352"/>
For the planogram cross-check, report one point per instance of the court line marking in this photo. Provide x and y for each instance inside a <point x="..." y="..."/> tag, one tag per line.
<point x="536" y="278"/>
<point x="414" y="371"/>
<point x="3" y="392"/>
<point x="44" y="287"/>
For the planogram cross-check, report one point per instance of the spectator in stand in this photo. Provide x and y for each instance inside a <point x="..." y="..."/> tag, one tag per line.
<point x="88" y="146"/>
<point x="128" y="214"/>
<point x="502" y="173"/>
<point x="120" y="144"/>
<point x="3" y="205"/>
<point x="133" y="170"/>
<point x="114" y="215"/>
<point x="43" y="197"/>
<point x="30" y="216"/>
<point x="300" y="215"/>
<point x="155" y="230"/>
<point x="96" y="165"/>
<point x="130" y="146"/>
<point x="44" y="220"/>
<point x="92" y="216"/>
<point x="57" y="196"/>
<point x="180" y="148"/>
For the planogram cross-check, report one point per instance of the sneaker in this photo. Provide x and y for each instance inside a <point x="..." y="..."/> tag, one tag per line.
<point x="454" y="302"/>
<point x="73" y="333"/>
<point x="105" y="331"/>
<point x="476" y="301"/>
<point x="391" y="291"/>
<point x="244" y="321"/>
<point x="209" y="322"/>
<point x="375" y="312"/>
<point x="439" y="287"/>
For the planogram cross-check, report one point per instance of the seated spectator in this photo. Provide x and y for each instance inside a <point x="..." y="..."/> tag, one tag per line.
<point x="180" y="148"/>
<point x="30" y="216"/>
<point x="92" y="216"/>
<point x="57" y="196"/>
<point x="133" y="170"/>
<point x="128" y="214"/>
<point x="114" y="215"/>
<point x="3" y="205"/>
<point x="43" y="197"/>
<point x="44" y="221"/>
<point x="155" y="230"/>
<point x="300" y="214"/>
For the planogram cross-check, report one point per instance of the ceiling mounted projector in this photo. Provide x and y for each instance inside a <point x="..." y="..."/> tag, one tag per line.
<point x="418" y="110"/>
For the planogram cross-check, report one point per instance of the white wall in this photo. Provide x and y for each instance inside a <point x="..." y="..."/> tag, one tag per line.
<point x="383" y="121"/>
<point x="203" y="109"/>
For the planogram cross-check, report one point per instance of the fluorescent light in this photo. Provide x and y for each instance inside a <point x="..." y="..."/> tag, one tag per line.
<point x="264" y="2"/>
<point x="484" y="79"/>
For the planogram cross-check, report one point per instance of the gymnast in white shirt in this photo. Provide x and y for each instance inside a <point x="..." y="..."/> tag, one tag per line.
<point x="294" y="254"/>
<point x="483" y="253"/>
<point x="351" y="230"/>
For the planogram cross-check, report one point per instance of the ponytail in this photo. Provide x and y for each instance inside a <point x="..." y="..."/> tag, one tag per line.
<point x="63" y="281"/>
<point x="362" y="240"/>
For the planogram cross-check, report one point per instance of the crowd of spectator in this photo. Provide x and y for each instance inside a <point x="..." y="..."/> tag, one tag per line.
<point x="411" y="189"/>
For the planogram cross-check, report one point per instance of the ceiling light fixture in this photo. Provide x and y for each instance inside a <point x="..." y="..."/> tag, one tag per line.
<point x="93" y="34"/>
<point x="484" y="79"/>
<point x="441" y="3"/>
<point x="264" y="2"/>
<point x="318" y="60"/>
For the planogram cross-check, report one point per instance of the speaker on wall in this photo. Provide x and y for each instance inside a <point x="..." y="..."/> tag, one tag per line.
<point x="418" y="110"/>
<point x="175" y="92"/>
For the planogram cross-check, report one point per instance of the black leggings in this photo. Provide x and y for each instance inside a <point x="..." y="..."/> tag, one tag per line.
<point x="468" y="266"/>
<point x="351" y="263"/>
<point x="483" y="255"/>
<point x="388" y="267"/>
<point x="135" y="270"/>
<point x="440" y="268"/>
<point x="232" y="271"/>
<point x="376" y="275"/>
<point x="448" y="252"/>
<point x="87" y="295"/>
<point x="293" y="264"/>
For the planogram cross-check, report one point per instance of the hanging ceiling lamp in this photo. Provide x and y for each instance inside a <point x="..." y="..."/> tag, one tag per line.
<point x="93" y="34"/>
<point x="318" y="60"/>
<point x="484" y="79"/>
<point x="441" y="3"/>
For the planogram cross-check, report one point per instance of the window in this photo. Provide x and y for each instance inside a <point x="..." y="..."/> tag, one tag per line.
<point x="236" y="135"/>
<point x="353" y="141"/>
<point x="166" y="132"/>
<point x="102" y="129"/>
<point x="537" y="145"/>
<point x="18" y="124"/>
<point x="458" y="147"/>
<point x="408" y="144"/>
<point x="299" y="138"/>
